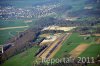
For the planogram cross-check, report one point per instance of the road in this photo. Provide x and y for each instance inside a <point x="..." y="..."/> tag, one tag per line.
<point x="13" y="27"/>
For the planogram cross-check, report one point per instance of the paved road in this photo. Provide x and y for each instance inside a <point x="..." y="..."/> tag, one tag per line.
<point x="13" y="27"/>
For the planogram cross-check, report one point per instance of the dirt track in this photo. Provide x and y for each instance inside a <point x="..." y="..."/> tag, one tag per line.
<point x="78" y="50"/>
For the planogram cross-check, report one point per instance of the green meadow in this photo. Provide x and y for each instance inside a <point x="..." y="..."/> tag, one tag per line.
<point x="25" y="58"/>
<point x="74" y="40"/>
<point x="92" y="51"/>
<point x="7" y="34"/>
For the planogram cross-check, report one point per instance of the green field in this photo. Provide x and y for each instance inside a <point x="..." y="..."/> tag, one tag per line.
<point x="93" y="65"/>
<point x="4" y="34"/>
<point x="25" y="58"/>
<point x="12" y="23"/>
<point x="68" y="45"/>
<point x="91" y="51"/>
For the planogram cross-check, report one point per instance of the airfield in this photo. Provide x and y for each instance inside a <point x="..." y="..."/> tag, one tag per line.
<point x="59" y="45"/>
<point x="64" y="28"/>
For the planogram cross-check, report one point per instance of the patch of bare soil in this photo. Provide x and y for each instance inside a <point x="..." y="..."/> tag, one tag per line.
<point x="98" y="41"/>
<point x="97" y="34"/>
<point x="78" y="50"/>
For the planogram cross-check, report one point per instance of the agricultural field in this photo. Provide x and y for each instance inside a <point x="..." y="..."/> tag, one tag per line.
<point x="91" y="51"/>
<point x="12" y="23"/>
<point x="79" y="47"/>
<point x="74" y="40"/>
<point x="10" y="28"/>
<point x="25" y="58"/>
<point x="71" y="29"/>
<point x="7" y="34"/>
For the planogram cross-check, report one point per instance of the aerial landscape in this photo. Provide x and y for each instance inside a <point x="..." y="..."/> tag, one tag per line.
<point x="49" y="32"/>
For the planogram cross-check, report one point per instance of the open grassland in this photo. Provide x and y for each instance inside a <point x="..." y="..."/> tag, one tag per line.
<point x="68" y="45"/>
<point x="78" y="50"/>
<point x="93" y="65"/>
<point x="7" y="34"/>
<point x="92" y="51"/>
<point x="9" y="28"/>
<point x="12" y="23"/>
<point x="25" y="58"/>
